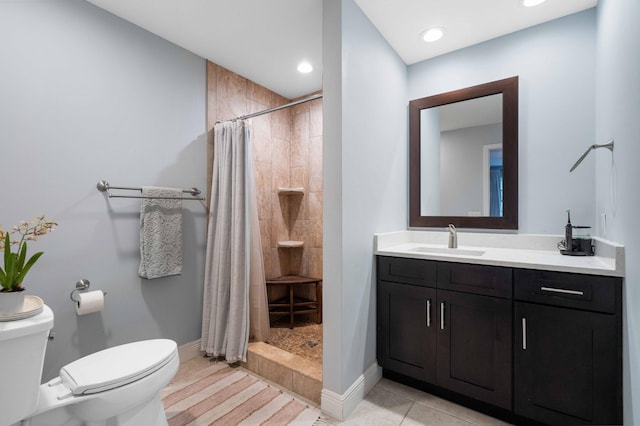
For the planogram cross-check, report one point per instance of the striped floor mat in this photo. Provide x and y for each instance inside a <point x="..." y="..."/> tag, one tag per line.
<point x="233" y="397"/>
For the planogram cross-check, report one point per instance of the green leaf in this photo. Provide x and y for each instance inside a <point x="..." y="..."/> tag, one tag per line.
<point x="22" y="255"/>
<point x="28" y="266"/>
<point x="3" y="279"/>
<point x="7" y="249"/>
<point x="9" y="266"/>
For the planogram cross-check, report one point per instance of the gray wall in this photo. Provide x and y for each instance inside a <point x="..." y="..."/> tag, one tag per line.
<point x="86" y="96"/>
<point x="555" y="63"/>
<point x="365" y="181"/>
<point x="462" y="180"/>
<point x="617" y="174"/>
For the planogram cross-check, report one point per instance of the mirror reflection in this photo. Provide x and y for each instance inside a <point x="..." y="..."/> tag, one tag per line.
<point x="463" y="166"/>
<point x="461" y="158"/>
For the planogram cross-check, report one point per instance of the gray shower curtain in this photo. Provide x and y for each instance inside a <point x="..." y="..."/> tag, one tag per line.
<point x="235" y="299"/>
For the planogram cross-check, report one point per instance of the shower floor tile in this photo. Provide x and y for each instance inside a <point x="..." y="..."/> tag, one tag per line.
<point x="304" y="340"/>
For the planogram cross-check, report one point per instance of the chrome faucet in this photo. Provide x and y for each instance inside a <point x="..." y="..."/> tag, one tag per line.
<point x="453" y="237"/>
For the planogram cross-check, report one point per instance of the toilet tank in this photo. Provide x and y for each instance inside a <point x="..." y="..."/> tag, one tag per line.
<point x="22" y="347"/>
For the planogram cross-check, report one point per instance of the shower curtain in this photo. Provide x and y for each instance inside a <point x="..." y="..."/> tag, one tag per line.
<point x="235" y="298"/>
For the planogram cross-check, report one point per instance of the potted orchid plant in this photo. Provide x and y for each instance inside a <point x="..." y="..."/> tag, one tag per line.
<point x="16" y="265"/>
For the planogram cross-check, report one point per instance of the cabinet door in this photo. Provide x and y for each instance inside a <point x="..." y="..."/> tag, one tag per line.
<point x="475" y="346"/>
<point x="406" y="329"/>
<point x="566" y="365"/>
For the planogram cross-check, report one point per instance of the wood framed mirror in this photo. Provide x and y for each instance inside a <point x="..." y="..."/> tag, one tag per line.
<point x="463" y="164"/>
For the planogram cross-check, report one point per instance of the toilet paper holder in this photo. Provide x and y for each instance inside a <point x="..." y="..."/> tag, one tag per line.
<point x="81" y="285"/>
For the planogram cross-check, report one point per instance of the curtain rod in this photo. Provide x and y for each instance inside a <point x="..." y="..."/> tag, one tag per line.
<point x="267" y="111"/>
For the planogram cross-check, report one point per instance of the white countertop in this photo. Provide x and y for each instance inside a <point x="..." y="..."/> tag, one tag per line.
<point x="511" y="250"/>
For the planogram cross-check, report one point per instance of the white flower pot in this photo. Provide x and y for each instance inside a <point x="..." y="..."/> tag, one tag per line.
<point x="11" y="302"/>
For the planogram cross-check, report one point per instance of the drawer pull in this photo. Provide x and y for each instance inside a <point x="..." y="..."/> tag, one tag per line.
<point x="524" y="333"/>
<point x="562" y="290"/>
<point x="441" y="315"/>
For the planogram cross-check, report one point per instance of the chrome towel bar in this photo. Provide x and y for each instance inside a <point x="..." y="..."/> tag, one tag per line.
<point x="103" y="186"/>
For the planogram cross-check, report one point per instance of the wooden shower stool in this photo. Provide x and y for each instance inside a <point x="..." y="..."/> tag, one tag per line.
<point x="293" y="306"/>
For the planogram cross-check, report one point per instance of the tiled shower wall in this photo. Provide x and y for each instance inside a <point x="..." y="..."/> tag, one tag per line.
<point x="287" y="151"/>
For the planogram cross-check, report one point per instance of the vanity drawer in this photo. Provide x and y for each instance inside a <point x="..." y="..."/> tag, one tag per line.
<point x="408" y="271"/>
<point x="580" y="291"/>
<point x="476" y="279"/>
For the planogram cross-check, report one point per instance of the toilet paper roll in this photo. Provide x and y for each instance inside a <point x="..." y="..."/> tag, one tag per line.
<point x="90" y="302"/>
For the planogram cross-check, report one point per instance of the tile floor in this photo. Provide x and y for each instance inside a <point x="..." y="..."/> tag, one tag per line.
<point x="388" y="404"/>
<point x="292" y="358"/>
<point x="393" y="404"/>
<point x="300" y="375"/>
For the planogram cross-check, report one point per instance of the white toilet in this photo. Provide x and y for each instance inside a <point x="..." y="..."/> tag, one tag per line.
<point x="117" y="386"/>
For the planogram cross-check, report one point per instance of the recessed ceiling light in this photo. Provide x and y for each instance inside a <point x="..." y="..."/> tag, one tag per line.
<point x="531" y="3"/>
<point x="432" y="34"/>
<point x="305" y="67"/>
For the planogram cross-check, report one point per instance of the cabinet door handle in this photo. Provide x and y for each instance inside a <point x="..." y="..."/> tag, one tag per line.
<point x="441" y="315"/>
<point x="524" y="333"/>
<point x="428" y="312"/>
<point x="562" y="290"/>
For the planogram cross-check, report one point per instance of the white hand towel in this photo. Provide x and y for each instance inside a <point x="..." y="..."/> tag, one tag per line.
<point x="160" y="233"/>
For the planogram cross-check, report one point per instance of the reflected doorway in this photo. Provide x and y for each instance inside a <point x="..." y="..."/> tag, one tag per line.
<point x="492" y="166"/>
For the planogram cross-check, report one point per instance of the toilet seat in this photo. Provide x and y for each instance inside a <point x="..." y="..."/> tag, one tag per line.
<point x="117" y="366"/>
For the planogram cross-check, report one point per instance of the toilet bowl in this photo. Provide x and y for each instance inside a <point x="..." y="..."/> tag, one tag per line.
<point x="116" y="386"/>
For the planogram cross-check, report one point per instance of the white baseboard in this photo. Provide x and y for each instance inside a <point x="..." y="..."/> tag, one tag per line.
<point x="189" y="351"/>
<point x="341" y="406"/>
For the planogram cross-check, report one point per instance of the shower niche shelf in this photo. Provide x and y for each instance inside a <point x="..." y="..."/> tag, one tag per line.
<point x="290" y="191"/>
<point x="290" y="244"/>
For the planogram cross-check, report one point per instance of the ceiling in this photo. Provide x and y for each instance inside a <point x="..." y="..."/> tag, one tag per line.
<point x="265" y="40"/>
<point x="470" y="113"/>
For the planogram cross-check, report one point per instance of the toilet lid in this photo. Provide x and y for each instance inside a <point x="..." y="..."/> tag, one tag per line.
<point x="117" y="366"/>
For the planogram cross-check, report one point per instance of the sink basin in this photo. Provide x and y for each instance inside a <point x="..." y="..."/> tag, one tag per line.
<point x="446" y="250"/>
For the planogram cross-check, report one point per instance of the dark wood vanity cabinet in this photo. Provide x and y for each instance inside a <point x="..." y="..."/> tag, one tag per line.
<point x="542" y="346"/>
<point x="568" y="348"/>
<point x="474" y="346"/>
<point x="405" y="319"/>
<point x="406" y="332"/>
<point x="460" y="341"/>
